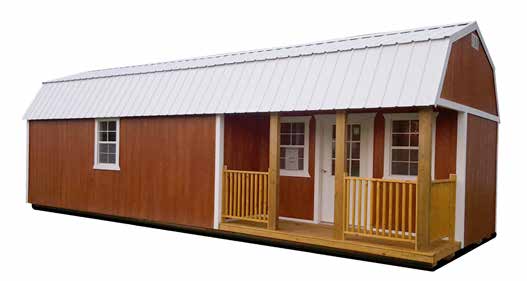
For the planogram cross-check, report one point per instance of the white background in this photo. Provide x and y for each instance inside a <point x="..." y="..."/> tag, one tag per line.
<point x="42" y="40"/>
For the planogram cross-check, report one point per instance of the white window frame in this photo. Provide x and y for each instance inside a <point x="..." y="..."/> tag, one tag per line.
<point x="106" y="166"/>
<point x="305" y="172"/>
<point x="388" y="119"/>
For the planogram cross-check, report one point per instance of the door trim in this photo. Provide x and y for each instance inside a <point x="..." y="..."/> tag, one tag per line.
<point x="320" y="119"/>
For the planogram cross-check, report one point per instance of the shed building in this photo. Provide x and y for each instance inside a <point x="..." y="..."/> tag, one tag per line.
<point x="382" y="145"/>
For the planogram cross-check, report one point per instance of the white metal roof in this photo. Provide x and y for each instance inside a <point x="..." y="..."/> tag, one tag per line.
<point x="395" y="69"/>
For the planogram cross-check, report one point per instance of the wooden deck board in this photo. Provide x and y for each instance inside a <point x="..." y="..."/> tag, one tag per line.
<point x="322" y="235"/>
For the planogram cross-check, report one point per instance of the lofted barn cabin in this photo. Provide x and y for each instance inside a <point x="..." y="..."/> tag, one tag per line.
<point x="380" y="146"/>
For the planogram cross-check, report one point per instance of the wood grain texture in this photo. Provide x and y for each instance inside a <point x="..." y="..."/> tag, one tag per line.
<point x="480" y="192"/>
<point x="424" y="180"/>
<point x="445" y="144"/>
<point x="469" y="78"/>
<point x="274" y="171"/>
<point x="340" y="163"/>
<point x="247" y="148"/>
<point x="167" y="169"/>
<point x="378" y="146"/>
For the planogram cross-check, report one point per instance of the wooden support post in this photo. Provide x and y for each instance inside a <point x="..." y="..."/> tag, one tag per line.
<point x="340" y="161"/>
<point x="274" y="170"/>
<point x="424" y="180"/>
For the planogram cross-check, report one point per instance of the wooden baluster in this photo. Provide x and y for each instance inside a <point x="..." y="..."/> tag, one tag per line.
<point x="410" y="213"/>
<point x="265" y="194"/>
<point x="251" y="197"/>
<point x="403" y="216"/>
<point x="255" y="197"/>
<point x="377" y="207"/>
<point x="390" y="208"/>
<point x="226" y="187"/>
<point x="260" y="197"/>
<point x="384" y="208"/>
<point x="359" y="205"/>
<point x="397" y="213"/>
<point x="353" y="204"/>
<point x="369" y="187"/>
<point x="364" y="185"/>
<point x="240" y="190"/>
<point x="247" y="193"/>
<point x="346" y="205"/>
<point x="231" y="194"/>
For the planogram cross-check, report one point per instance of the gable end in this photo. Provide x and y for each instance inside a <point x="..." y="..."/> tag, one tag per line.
<point x="469" y="78"/>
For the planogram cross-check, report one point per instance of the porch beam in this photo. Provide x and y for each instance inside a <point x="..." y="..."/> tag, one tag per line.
<point x="340" y="161"/>
<point x="424" y="179"/>
<point x="274" y="170"/>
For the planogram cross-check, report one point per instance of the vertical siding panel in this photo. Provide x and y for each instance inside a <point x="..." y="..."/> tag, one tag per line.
<point x="158" y="179"/>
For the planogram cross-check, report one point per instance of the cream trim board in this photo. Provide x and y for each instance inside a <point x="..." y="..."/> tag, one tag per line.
<point x="218" y="168"/>
<point x="305" y="171"/>
<point x="27" y="161"/>
<point x="388" y="118"/>
<point x="96" y="164"/>
<point x="461" y="166"/>
<point x="464" y="108"/>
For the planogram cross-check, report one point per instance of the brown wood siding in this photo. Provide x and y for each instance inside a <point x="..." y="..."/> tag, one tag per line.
<point x="247" y="148"/>
<point x="445" y="144"/>
<point x="469" y="78"/>
<point x="167" y="169"/>
<point x="246" y="142"/>
<point x="297" y="194"/>
<point x="480" y="193"/>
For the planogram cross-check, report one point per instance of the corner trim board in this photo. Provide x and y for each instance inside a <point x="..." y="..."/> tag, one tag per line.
<point x="218" y="168"/>
<point x="461" y="162"/>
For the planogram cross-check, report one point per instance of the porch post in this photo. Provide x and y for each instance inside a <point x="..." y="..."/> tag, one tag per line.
<point x="274" y="170"/>
<point x="424" y="179"/>
<point x="340" y="161"/>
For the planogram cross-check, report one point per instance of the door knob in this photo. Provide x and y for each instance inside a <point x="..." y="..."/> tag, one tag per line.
<point x="324" y="170"/>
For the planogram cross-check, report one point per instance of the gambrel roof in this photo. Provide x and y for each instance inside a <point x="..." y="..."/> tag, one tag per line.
<point x="394" y="69"/>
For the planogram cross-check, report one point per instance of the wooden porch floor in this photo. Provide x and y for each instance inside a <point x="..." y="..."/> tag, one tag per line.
<point x="322" y="235"/>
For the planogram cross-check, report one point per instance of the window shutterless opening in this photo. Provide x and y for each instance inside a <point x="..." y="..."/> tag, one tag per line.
<point x="106" y="156"/>
<point x="294" y="146"/>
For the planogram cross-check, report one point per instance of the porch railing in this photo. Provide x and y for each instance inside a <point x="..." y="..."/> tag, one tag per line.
<point x="443" y="213"/>
<point x="380" y="208"/>
<point x="387" y="209"/>
<point x="245" y="195"/>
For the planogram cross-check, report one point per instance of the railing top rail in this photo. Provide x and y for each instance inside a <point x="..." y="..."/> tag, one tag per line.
<point x="381" y="180"/>
<point x="246" y="172"/>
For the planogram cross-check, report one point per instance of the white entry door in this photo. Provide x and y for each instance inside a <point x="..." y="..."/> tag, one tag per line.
<point x="359" y="151"/>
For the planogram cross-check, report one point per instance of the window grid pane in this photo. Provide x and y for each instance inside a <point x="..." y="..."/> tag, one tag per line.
<point x="107" y="142"/>
<point x="352" y="146"/>
<point x="405" y="147"/>
<point x="292" y="144"/>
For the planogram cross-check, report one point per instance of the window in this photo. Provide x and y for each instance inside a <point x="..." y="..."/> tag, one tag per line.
<point x="107" y="144"/>
<point x="404" y="147"/>
<point x="353" y="133"/>
<point x="294" y="138"/>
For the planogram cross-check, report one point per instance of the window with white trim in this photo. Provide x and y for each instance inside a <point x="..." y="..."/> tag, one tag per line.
<point x="107" y="144"/>
<point x="404" y="147"/>
<point x="294" y="153"/>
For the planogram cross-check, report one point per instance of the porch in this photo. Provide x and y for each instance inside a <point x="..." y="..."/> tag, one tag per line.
<point x="322" y="235"/>
<point x="407" y="217"/>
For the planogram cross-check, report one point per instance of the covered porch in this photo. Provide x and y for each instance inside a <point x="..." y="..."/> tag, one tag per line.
<point x="407" y="217"/>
